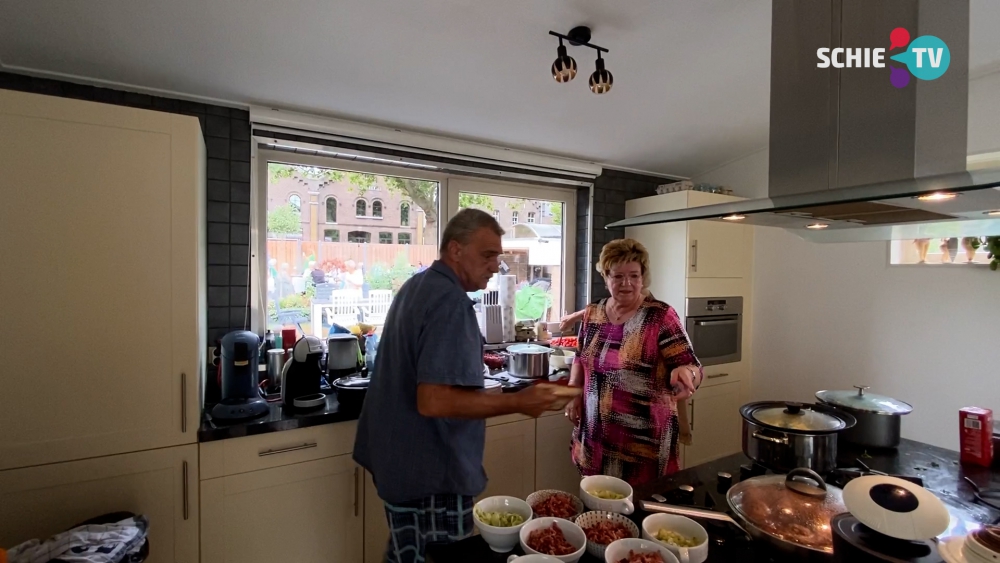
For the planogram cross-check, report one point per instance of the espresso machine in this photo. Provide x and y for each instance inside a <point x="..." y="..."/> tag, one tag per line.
<point x="302" y="375"/>
<point x="239" y="357"/>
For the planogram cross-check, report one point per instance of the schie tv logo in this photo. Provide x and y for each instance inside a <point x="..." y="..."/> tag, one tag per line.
<point x="927" y="57"/>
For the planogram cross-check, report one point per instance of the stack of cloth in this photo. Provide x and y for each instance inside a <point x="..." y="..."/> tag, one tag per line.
<point x="117" y="542"/>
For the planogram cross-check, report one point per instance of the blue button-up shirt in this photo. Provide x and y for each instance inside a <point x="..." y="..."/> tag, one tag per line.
<point x="430" y="336"/>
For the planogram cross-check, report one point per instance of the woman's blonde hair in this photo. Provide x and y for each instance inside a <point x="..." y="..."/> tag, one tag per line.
<point x="622" y="251"/>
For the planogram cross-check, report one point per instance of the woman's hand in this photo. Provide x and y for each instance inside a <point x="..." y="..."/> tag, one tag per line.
<point x="685" y="437"/>
<point x="574" y="409"/>
<point x="569" y="321"/>
<point x="684" y="380"/>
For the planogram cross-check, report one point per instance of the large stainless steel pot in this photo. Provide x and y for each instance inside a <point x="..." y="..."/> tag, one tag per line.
<point x="879" y="417"/>
<point x="782" y="436"/>
<point x="528" y="360"/>
<point x="788" y="513"/>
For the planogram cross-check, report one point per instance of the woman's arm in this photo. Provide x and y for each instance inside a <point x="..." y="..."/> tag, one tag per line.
<point x="675" y="348"/>
<point x="569" y="321"/>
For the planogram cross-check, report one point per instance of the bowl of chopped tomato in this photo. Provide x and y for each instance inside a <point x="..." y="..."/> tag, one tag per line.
<point x="555" y="537"/>
<point x="633" y="550"/>
<point x="604" y="528"/>
<point x="555" y="504"/>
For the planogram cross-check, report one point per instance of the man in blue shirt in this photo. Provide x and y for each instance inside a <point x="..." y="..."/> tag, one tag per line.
<point x="422" y="429"/>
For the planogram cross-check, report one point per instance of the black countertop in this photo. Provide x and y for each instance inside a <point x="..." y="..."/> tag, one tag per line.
<point x="938" y="467"/>
<point x="277" y="418"/>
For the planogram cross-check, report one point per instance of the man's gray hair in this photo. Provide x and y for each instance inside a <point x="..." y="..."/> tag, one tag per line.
<point x="466" y="222"/>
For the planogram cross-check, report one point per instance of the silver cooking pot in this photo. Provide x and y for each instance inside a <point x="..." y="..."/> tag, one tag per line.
<point x="879" y="417"/>
<point x="528" y="360"/>
<point x="782" y="436"/>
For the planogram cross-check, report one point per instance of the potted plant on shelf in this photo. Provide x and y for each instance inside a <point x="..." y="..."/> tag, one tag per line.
<point x="993" y="249"/>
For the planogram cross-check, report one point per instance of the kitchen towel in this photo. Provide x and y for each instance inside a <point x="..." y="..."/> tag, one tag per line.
<point x="509" y="326"/>
<point x="93" y="543"/>
<point x="507" y="287"/>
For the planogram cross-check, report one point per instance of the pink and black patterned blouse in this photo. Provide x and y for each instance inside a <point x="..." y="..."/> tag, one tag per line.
<point x="628" y="426"/>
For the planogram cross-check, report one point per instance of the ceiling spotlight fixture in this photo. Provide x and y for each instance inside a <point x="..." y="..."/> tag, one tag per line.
<point x="994" y="213"/>
<point x="564" y="67"/>
<point x="937" y="196"/>
<point x="817" y="226"/>
<point x="734" y="217"/>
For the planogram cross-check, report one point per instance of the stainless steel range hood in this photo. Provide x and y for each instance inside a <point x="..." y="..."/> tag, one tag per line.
<point x="850" y="154"/>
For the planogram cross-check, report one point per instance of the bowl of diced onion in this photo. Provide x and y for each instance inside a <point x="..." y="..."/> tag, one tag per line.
<point x="500" y="519"/>
<point x="684" y="537"/>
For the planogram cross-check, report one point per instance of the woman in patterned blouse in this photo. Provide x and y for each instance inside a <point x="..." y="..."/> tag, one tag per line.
<point x="634" y="363"/>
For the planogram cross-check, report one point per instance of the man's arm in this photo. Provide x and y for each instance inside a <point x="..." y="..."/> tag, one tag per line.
<point x="450" y="401"/>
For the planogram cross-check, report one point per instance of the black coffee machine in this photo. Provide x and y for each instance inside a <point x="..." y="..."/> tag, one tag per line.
<point x="302" y="375"/>
<point x="240" y="395"/>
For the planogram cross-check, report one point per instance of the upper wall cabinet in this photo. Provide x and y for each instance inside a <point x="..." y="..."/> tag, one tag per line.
<point x="103" y="277"/>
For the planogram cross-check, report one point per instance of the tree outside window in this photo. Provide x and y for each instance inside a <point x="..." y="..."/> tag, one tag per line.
<point x="361" y="208"/>
<point x="295" y="201"/>
<point x="385" y="238"/>
<point x="331" y="210"/>
<point x="377" y="209"/>
<point x="403" y="238"/>
<point x="404" y="215"/>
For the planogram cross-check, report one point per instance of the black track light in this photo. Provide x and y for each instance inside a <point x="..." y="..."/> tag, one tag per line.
<point x="564" y="67"/>
<point x="601" y="80"/>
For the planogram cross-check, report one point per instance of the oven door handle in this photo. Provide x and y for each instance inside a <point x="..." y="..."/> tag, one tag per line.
<point x="716" y="323"/>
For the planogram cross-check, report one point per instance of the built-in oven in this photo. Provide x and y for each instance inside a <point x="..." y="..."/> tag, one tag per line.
<point x="715" y="327"/>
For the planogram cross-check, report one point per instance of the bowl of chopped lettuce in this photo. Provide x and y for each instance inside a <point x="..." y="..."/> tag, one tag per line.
<point x="499" y="520"/>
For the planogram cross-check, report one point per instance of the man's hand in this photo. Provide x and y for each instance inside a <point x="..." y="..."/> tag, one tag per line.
<point x="536" y="399"/>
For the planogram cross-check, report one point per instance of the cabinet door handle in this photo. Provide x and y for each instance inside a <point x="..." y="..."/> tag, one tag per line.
<point x="694" y="256"/>
<point x="692" y="416"/>
<point x="356" y="491"/>
<point x="184" y="489"/>
<point x="305" y="446"/>
<point x="716" y="375"/>
<point x="184" y="410"/>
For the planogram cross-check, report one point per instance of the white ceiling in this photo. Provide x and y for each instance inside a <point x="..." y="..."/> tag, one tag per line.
<point x="691" y="77"/>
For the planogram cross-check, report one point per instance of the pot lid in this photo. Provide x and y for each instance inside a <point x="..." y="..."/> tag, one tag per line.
<point x="862" y="401"/>
<point x="794" y="508"/>
<point x="896" y="507"/>
<point x="528" y="349"/>
<point x="796" y="416"/>
<point x="880" y="547"/>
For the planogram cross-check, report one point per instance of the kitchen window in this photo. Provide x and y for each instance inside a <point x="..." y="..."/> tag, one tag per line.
<point x="939" y="252"/>
<point x="541" y="255"/>
<point x="513" y="217"/>
<point x="377" y="209"/>
<point x="331" y="210"/>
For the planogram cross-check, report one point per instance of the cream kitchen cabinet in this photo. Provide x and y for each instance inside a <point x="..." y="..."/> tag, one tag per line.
<point x="104" y="253"/>
<point x="554" y="468"/>
<point x="509" y="459"/>
<point x="161" y="484"/>
<point x="714" y="414"/>
<point x="309" y="512"/>
<point x="376" y="527"/>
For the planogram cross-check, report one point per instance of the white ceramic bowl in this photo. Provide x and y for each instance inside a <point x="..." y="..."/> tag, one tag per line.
<point x="538" y="496"/>
<point x="606" y="483"/>
<point x="976" y="552"/>
<point x="534" y="558"/>
<point x="501" y="539"/>
<point x="573" y="534"/>
<point x="683" y="526"/>
<point x="588" y="519"/>
<point x="558" y="362"/>
<point x="619" y="550"/>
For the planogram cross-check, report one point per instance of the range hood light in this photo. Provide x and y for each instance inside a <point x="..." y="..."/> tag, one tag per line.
<point x="738" y="217"/>
<point x="817" y="226"/>
<point x="938" y="196"/>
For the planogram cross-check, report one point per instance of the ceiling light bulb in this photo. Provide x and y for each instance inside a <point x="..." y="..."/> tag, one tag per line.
<point x="937" y="196"/>
<point x="994" y="213"/>
<point x="601" y="80"/>
<point x="734" y="217"/>
<point x="817" y="226"/>
<point x="564" y="67"/>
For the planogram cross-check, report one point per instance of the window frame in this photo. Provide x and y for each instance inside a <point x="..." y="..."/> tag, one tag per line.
<point x="362" y="201"/>
<point x="399" y="236"/>
<point x="531" y="217"/>
<point x="297" y="208"/>
<point x="404" y="205"/>
<point x="357" y="230"/>
<point x="514" y="216"/>
<point x="381" y="209"/>
<point x="337" y="231"/>
<point x="327" y="209"/>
